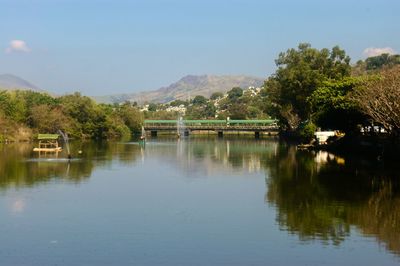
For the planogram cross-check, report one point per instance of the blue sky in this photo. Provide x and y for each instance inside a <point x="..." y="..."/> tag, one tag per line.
<point x="105" y="47"/>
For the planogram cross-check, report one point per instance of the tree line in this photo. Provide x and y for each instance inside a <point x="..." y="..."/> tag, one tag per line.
<point x="311" y="88"/>
<point x="319" y="88"/>
<point x="25" y="113"/>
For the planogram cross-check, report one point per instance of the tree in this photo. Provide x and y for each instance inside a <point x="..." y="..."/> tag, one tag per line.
<point x="332" y="106"/>
<point x="152" y="107"/>
<point x="5" y="103"/>
<point x="237" y="111"/>
<point x="47" y="119"/>
<point x="178" y="103"/>
<point x="378" y="62"/>
<point x="199" y="100"/>
<point x="216" y="95"/>
<point x="89" y="116"/>
<point x="131" y="116"/>
<point x="379" y="100"/>
<point x="235" y="93"/>
<point x="300" y="71"/>
<point x="200" y="111"/>
<point x="375" y="64"/>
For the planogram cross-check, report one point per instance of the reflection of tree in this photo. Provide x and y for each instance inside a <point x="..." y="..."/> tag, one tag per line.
<point x="303" y="204"/>
<point x="380" y="216"/>
<point x="323" y="202"/>
<point x="17" y="171"/>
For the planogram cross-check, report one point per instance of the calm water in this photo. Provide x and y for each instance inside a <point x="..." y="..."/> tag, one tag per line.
<point x="196" y="201"/>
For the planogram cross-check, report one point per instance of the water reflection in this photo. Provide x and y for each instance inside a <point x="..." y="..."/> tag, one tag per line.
<point x="317" y="196"/>
<point x="21" y="167"/>
<point x="323" y="199"/>
<point x="205" y="156"/>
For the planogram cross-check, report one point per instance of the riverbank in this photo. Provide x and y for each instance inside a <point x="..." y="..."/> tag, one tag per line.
<point x="372" y="146"/>
<point x="12" y="133"/>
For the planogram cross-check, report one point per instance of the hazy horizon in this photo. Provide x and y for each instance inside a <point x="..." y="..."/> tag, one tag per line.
<point x="108" y="47"/>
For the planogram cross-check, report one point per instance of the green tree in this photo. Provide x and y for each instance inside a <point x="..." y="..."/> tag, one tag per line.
<point x="235" y="93"/>
<point x="300" y="71"/>
<point x="199" y="100"/>
<point x="132" y="117"/>
<point x="152" y="107"/>
<point x="47" y="119"/>
<point x="5" y="104"/>
<point x="89" y="116"/>
<point x="378" y="62"/>
<point x="237" y="111"/>
<point x="178" y="103"/>
<point x="333" y="107"/>
<point x="216" y="95"/>
<point x="206" y="111"/>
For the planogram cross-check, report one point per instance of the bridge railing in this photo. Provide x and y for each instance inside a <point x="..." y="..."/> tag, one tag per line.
<point x="220" y="123"/>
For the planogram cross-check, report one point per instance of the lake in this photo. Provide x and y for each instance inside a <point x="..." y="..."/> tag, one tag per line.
<point x="196" y="201"/>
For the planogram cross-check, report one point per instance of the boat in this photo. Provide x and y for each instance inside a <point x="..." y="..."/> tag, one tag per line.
<point x="48" y="143"/>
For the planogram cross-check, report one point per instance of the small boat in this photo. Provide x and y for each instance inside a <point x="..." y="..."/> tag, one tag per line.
<point x="48" y="143"/>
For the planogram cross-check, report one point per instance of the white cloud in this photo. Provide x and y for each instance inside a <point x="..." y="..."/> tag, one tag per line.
<point x="374" y="51"/>
<point x="18" y="46"/>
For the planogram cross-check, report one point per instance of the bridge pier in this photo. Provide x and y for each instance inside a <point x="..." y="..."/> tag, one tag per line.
<point x="153" y="133"/>
<point x="220" y="134"/>
<point x="257" y="134"/>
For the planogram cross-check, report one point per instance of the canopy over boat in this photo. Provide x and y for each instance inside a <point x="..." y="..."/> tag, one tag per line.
<point x="48" y="143"/>
<point x="48" y="136"/>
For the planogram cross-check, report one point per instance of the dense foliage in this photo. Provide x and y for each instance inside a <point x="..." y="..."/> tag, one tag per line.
<point x="314" y="88"/>
<point x="332" y="106"/>
<point x="23" y="113"/>
<point x="300" y="72"/>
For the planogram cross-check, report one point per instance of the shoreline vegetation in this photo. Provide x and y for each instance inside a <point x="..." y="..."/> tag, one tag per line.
<point x="310" y="90"/>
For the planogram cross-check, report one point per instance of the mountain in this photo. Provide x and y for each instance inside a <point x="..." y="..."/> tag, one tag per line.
<point x="187" y="87"/>
<point x="11" y="82"/>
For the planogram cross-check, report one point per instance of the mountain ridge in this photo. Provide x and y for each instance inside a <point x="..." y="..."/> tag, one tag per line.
<point x="187" y="87"/>
<point x="12" y="82"/>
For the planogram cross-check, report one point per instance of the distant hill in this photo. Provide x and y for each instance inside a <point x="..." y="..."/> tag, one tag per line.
<point x="187" y="87"/>
<point x="11" y="82"/>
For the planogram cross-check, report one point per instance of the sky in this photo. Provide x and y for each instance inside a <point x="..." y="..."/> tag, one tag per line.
<point x="106" y="47"/>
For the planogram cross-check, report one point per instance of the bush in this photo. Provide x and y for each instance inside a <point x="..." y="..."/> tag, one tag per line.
<point x="306" y="131"/>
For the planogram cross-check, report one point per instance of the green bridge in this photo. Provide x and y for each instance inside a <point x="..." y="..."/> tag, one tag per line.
<point x="219" y="126"/>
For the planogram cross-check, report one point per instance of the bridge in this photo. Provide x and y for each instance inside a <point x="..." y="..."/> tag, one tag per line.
<point x="219" y="126"/>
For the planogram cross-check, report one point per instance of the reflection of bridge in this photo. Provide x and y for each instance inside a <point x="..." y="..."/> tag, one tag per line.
<point x="219" y="126"/>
